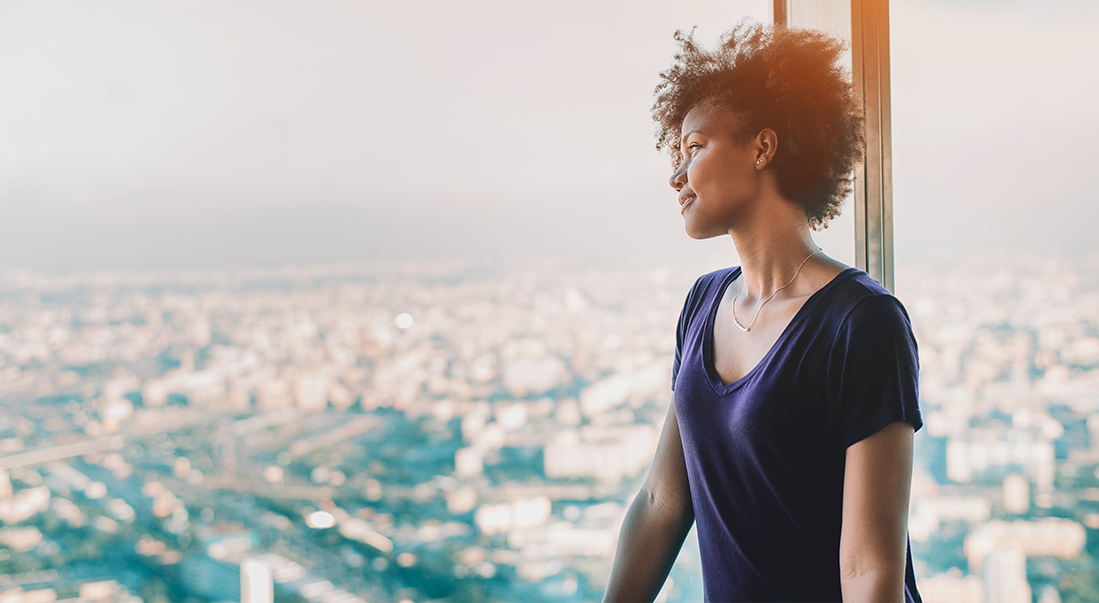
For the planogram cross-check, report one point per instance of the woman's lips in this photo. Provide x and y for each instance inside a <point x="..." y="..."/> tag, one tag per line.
<point x="684" y="202"/>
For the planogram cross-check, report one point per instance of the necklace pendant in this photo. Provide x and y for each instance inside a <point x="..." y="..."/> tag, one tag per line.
<point x="759" y="308"/>
<point x="740" y="326"/>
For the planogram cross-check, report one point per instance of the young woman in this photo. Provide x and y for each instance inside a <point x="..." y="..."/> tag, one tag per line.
<point x="789" y="439"/>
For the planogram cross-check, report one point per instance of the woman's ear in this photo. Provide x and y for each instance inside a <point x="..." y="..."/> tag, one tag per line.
<point x="766" y="144"/>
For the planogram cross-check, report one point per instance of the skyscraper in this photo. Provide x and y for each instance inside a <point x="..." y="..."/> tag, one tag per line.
<point x="1005" y="576"/>
<point x="256" y="585"/>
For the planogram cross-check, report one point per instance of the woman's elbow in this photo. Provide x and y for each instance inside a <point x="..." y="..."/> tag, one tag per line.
<point x="868" y="580"/>
<point x="671" y="505"/>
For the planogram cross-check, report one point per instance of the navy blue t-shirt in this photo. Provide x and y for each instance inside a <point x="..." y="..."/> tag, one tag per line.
<point x="765" y="454"/>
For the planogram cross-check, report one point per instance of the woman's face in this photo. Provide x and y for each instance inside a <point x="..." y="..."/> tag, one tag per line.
<point x="717" y="180"/>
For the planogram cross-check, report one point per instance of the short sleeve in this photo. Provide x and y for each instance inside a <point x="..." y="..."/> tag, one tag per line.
<point x="681" y="327"/>
<point x="874" y="369"/>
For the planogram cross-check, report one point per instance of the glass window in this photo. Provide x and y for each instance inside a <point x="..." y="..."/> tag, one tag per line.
<point x="834" y="17"/>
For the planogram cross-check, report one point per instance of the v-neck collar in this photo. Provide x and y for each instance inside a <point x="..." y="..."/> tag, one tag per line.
<point x="723" y="389"/>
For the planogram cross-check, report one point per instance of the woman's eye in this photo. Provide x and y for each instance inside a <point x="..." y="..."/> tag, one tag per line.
<point x="694" y="146"/>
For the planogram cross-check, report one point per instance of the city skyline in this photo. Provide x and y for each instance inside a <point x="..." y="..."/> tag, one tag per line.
<point x="475" y="433"/>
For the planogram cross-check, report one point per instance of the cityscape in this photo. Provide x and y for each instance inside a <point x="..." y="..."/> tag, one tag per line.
<point x="474" y="430"/>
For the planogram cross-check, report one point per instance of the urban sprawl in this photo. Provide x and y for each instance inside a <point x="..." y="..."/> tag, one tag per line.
<point x="471" y="431"/>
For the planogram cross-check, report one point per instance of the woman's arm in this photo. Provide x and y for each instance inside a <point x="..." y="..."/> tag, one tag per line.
<point x="873" y="542"/>
<point x="655" y="525"/>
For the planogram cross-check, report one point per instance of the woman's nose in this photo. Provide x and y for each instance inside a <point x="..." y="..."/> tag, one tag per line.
<point x="679" y="177"/>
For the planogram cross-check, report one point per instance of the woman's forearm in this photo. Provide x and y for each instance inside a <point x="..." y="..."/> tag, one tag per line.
<point x="648" y="544"/>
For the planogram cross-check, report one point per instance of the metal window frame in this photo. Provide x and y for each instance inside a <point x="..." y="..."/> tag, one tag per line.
<point x="874" y="177"/>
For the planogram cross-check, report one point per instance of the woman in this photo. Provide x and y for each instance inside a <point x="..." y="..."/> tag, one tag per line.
<point x="789" y="439"/>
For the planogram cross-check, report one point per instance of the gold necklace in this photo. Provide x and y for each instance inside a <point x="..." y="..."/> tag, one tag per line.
<point x="796" y="273"/>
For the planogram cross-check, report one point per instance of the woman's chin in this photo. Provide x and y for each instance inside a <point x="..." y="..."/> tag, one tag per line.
<point x="699" y="234"/>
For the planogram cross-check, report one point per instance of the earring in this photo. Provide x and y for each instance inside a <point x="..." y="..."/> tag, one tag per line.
<point x="759" y="161"/>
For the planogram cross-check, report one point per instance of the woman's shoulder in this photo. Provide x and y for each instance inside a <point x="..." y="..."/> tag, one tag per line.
<point x="857" y="302"/>
<point x="706" y="291"/>
<point x="709" y="287"/>
<point x="714" y="280"/>
<point x="852" y="288"/>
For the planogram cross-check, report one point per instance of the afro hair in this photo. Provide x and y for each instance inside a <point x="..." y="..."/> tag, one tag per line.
<point x="787" y="79"/>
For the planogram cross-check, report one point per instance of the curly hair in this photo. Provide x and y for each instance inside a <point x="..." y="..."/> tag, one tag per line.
<point x="787" y="79"/>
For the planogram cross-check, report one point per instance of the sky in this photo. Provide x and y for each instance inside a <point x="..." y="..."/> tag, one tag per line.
<point x="200" y="133"/>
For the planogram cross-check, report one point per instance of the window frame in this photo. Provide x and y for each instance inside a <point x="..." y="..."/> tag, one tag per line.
<point x="873" y="185"/>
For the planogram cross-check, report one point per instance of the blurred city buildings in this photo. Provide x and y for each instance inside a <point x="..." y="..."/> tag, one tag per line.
<point x="475" y="432"/>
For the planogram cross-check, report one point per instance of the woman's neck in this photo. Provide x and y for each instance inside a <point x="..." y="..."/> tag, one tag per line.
<point x="772" y="245"/>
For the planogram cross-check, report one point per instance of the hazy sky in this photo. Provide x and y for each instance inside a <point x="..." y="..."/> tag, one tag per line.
<point x="142" y="134"/>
